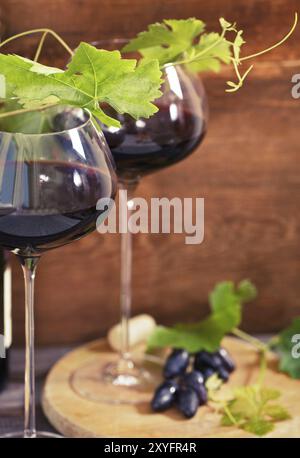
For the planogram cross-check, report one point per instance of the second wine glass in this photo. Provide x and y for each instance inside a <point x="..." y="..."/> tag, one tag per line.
<point x="141" y="147"/>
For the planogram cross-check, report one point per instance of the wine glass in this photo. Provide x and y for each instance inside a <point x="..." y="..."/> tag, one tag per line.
<point x="54" y="167"/>
<point x="141" y="147"/>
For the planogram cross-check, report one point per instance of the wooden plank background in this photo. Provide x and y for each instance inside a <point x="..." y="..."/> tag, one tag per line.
<point x="247" y="169"/>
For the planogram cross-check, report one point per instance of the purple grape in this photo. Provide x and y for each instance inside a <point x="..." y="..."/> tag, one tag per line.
<point x="187" y="401"/>
<point x="164" y="396"/>
<point x="195" y="380"/>
<point x="223" y="374"/>
<point x="227" y="361"/>
<point x="176" y="363"/>
<point x="202" y="395"/>
<point x="205" y="359"/>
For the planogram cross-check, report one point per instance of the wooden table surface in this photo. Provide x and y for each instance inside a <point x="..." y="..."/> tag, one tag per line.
<point x="11" y="399"/>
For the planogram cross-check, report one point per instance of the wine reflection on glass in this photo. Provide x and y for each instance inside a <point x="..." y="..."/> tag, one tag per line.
<point x="50" y="184"/>
<point x="141" y="147"/>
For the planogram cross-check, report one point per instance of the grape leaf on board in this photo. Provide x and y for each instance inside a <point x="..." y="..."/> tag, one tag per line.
<point x="176" y="39"/>
<point x="251" y="410"/>
<point x="258" y="426"/>
<point x="92" y="76"/>
<point x="226" y="306"/>
<point x="289" y="349"/>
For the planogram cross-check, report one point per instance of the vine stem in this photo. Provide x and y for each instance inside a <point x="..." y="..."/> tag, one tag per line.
<point x="229" y="414"/>
<point x="44" y="31"/>
<point x="223" y="405"/>
<point x="26" y="110"/>
<point x="273" y="342"/>
<point x="258" y="344"/>
<point x="240" y="78"/>
<point x="261" y="347"/>
<point x="236" y="70"/>
<point x="262" y="368"/>
<point x="40" y="46"/>
<point x="251" y="56"/>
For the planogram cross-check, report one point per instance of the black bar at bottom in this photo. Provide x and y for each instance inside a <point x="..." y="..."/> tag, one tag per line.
<point x="148" y="447"/>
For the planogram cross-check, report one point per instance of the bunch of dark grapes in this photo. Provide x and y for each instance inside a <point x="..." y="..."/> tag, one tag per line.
<point x="185" y="387"/>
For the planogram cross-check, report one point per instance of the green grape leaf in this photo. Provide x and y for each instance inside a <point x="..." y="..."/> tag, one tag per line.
<point x="245" y="402"/>
<point x="184" y="42"/>
<point x="41" y="69"/>
<point x="213" y="384"/>
<point x="276" y="412"/>
<point x="251" y="410"/>
<point x="2" y="87"/>
<point x="268" y="394"/>
<point x="207" y="335"/>
<point x="288" y="346"/>
<point x="258" y="426"/>
<point x="246" y="291"/>
<point x="166" y="40"/>
<point x="92" y="76"/>
<point x="184" y="39"/>
<point x="213" y="50"/>
<point x="226" y="307"/>
<point x="26" y="123"/>
<point x="228" y="421"/>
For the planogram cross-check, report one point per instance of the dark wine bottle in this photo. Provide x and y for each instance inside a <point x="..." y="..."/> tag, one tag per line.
<point x="5" y="318"/>
<point x="5" y="302"/>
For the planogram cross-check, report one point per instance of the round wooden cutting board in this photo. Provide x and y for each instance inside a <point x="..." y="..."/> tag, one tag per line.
<point x="75" y="416"/>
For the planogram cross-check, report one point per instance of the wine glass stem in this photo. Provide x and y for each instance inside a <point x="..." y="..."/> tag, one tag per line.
<point x="29" y="268"/>
<point x="126" y="292"/>
<point x="126" y="277"/>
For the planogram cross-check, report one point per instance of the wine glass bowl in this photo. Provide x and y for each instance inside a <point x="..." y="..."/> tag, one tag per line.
<point x="50" y="182"/>
<point x="144" y="146"/>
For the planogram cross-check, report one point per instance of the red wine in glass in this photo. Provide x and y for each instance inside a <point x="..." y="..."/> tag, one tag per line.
<point x="147" y="145"/>
<point x="63" y="210"/>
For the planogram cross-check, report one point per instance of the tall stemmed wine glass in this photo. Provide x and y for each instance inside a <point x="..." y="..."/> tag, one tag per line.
<point x="139" y="148"/>
<point x="50" y="183"/>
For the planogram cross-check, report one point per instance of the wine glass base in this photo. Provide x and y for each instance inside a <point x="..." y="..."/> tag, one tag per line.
<point x="38" y="435"/>
<point x="130" y="373"/>
<point x="103" y="381"/>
